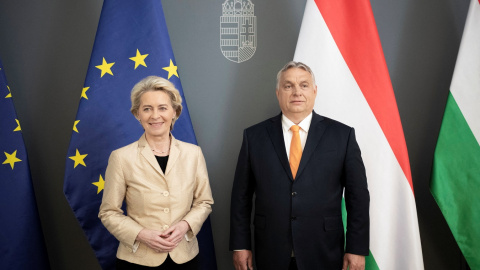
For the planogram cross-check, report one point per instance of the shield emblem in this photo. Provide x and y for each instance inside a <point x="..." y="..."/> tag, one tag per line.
<point x="238" y="35"/>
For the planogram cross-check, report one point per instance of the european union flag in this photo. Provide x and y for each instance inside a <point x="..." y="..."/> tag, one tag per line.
<point x="21" y="238"/>
<point x="132" y="43"/>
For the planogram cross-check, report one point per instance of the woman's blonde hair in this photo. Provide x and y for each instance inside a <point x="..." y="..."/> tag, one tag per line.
<point x="155" y="83"/>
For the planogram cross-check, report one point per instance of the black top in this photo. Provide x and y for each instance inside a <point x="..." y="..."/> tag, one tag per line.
<point x="162" y="161"/>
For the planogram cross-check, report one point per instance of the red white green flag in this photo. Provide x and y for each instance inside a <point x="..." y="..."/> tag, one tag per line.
<point x="455" y="181"/>
<point x="339" y="41"/>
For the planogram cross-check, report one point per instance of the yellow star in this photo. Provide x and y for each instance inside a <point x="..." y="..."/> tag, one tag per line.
<point x="75" y="126"/>
<point x="100" y="184"/>
<point x="9" y="93"/>
<point x="105" y="67"/>
<point x="139" y="59"/>
<point x="172" y="69"/>
<point x="18" y="128"/>
<point x="11" y="158"/>
<point x="84" y="92"/>
<point x="78" y="159"/>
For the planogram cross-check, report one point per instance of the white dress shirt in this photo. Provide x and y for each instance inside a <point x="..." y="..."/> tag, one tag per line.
<point x="287" y="133"/>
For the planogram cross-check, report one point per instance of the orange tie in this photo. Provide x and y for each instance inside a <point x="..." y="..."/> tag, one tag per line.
<point x="295" y="150"/>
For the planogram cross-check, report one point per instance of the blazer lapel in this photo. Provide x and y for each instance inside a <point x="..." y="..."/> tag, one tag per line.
<point x="315" y="132"/>
<point x="173" y="156"/>
<point x="276" y="135"/>
<point x="147" y="153"/>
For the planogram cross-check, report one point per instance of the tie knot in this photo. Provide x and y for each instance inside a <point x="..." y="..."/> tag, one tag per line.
<point x="295" y="128"/>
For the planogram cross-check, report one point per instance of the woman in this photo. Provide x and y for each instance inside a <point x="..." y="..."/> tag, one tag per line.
<point x="164" y="183"/>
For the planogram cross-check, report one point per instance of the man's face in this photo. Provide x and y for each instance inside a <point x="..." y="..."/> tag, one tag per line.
<point x="296" y="93"/>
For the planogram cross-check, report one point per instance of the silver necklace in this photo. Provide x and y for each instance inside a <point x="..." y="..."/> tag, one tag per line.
<point x="161" y="152"/>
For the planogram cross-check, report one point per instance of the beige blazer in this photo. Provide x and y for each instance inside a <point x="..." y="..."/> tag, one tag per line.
<point x="155" y="200"/>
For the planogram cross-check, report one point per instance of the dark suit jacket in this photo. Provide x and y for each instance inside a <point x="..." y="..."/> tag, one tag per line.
<point x="303" y="215"/>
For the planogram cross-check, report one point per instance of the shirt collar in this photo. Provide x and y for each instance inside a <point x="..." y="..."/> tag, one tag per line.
<point x="304" y="124"/>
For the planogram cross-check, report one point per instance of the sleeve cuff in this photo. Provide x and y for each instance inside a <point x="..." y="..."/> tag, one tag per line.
<point x="135" y="246"/>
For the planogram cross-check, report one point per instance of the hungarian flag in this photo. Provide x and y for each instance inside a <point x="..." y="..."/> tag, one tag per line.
<point x="455" y="181"/>
<point x="339" y="41"/>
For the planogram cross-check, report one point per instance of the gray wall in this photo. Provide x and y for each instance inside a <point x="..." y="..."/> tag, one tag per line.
<point x="45" y="47"/>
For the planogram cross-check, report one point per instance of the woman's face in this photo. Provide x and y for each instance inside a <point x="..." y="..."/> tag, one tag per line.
<point x="156" y="113"/>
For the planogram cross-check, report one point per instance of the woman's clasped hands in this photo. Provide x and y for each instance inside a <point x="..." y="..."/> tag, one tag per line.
<point x="164" y="241"/>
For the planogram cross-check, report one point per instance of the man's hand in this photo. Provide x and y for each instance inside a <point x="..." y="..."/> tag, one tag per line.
<point x="242" y="260"/>
<point x="353" y="262"/>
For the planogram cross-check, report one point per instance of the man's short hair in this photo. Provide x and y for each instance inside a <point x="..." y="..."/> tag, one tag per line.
<point x="293" y="64"/>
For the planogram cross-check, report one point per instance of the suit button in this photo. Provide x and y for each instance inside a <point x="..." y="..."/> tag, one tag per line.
<point x="165" y="227"/>
<point x="166" y="210"/>
<point x="294" y="194"/>
<point x="166" y="193"/>
<point x="293" y="218"/>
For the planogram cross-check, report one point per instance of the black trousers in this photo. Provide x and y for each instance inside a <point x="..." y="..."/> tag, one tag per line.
<point x="293" y="264"/>
<point x="169" y="264"/>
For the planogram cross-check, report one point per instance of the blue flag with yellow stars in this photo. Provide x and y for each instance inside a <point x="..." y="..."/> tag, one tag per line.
<point x="131" y="43"/>
<point x="21" y="238"/>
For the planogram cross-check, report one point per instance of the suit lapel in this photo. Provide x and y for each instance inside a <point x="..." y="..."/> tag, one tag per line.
<point x="147" y="153"/>
<point x="276" y="136"/>
<point x="315" y="132"/>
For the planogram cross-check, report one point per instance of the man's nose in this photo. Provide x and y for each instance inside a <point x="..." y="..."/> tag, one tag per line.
<point x="296" y="90"/>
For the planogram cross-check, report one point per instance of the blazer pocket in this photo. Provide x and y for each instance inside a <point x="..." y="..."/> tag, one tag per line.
<point x="333" y="223"/>
<point x="259" y="222"/>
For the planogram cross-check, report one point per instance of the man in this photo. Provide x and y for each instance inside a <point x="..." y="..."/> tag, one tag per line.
<point x="298" y="175"/>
